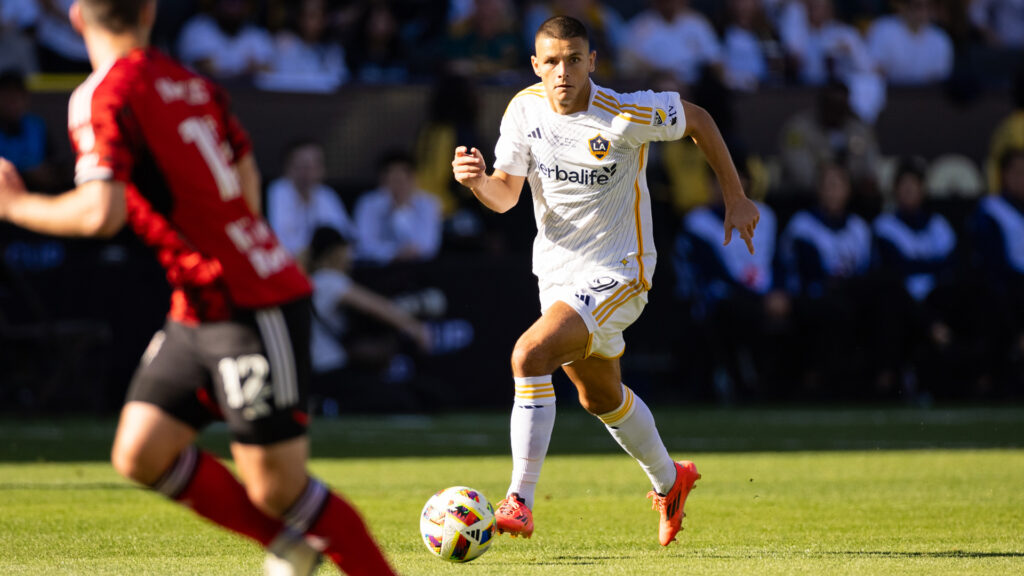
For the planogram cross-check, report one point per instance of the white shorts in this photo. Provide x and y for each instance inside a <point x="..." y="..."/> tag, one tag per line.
<point x="607" y="304"/>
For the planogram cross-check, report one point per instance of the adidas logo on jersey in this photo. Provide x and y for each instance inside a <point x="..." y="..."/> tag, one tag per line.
<point x="535" y="134"/>
<point x="591" y="177"/>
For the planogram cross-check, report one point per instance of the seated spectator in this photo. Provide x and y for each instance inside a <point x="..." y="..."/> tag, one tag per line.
<point x="59" y="47"/>
<point x="24" y="140"/>
<point x="17" y="47"/>
<point x="1008" y="134"/>
<point x="827" y="133"/>
<point x="306" y="57"/>
<point x="1001" y="22"/>
<point x="825" y="49"/>
<point x="752" y="54"/>
<point x="908" y="48"/>
<point x="397" y="221"/>
<point x="997" y="258"/>
<point x="914" y="249"/>
<point x="670" y="36"/>
<point x="226" y="44"/>
<point x="486" y="45"/>
<point x="823" y="254"/>
<point x="334" y="350"/>
<point x="733" y="294"/>
<point x="604" y="25"/>
<point x="376" y="53"/>
<point x="299" y="201"/>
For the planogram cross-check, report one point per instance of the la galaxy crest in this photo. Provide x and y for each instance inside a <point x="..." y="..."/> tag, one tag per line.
<point x="599" y="146"/>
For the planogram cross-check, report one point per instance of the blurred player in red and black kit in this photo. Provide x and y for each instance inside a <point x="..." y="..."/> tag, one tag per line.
<point x="158" y="149"/>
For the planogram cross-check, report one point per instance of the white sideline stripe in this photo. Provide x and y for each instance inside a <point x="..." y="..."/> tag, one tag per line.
<point x="282" y="361"/>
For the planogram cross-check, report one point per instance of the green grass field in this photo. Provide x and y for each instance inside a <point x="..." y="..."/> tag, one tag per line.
<point x="784" y="492"/>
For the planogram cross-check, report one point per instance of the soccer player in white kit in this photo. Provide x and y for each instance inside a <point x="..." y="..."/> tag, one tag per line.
<point x="584" y="149"/>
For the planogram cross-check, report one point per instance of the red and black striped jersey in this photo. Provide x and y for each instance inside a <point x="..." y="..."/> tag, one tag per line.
<point x="169" y="136"/>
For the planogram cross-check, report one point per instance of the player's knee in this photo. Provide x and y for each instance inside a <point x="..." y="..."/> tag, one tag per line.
<point x="528" y="359"/>
<point x="129" y="461"/>
<point x="269" y="497"/>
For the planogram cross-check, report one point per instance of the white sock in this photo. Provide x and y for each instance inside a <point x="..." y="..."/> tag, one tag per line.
<point x="533" y="419"/>
<point x="632" y="426"/>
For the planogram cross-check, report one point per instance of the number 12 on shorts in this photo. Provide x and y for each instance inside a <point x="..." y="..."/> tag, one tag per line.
<point x="245" y="384"/>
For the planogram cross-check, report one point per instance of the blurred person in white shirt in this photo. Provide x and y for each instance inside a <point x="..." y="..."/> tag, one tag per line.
<point x="824" y="47"/>
<point x="299" y="202"/>
<point x="670" y="36"/>
<point x="226" y="44"/>
<point x="306" y="57"/>
<point x="908" y="48"/>
<point x="397" y="221"/>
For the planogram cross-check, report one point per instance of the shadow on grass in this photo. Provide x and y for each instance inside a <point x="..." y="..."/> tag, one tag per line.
<point x="937" y="554"/>
<point x="575" y="560"/>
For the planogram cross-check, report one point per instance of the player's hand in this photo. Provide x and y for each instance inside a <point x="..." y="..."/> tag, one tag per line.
<point x="469" y="167"/>
<point x="743" y="215"/>
<point x="11" y="186"/>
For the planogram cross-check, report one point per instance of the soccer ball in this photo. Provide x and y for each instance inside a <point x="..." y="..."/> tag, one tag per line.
<point x="457" y="524"/>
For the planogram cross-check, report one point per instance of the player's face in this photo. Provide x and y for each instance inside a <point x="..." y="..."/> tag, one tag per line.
<point x="564" y="66"/>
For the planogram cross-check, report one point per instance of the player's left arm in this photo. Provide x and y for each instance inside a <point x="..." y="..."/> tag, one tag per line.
<point x="740" y="212"/>
<point x="249" y="179"/>
<point x="94" y="208"/>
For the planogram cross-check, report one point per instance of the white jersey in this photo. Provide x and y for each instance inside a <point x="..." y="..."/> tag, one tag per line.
<point x="586" y="172"/>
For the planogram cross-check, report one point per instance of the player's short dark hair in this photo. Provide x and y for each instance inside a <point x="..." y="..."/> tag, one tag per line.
<point x="114" y="15"/>
<point x="395" y="157"/>
<point x="563" y="28"/>
<point x="324" y="240"/>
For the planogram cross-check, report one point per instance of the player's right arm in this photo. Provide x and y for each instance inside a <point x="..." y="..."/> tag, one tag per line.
<point x="94" y="208"/>
<point x="499" y="191"/>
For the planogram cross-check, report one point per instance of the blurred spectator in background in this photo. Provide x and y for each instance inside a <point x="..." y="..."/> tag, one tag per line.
<point x="824" y="49"/>
<point x="1008" y="134"/>
<point x="824" y="253"/>
<point x="486" y="44"/>
<point x="59" y="47"/>
<point x="827" y="133"/>
<point x="353" y="368"/>
<point x="452" y="119"/>
<point x="752" y="54"/>
<point x="604" y="24"/>
<point x="24" y="139"/>
<point x="732" y="294"/>
<point x="376" y="52"/>
<point x="17" y="48"/>
<point x="908" y="48"/>
<point x="307" y="58"/>
<point x="299" y="202"/>
<point x="397" y="221"/>
<point x="914" y="249"/>
<point x="670" y="36"/>
<point x="226" y="43"/>
<point x="997" y="258"/>
<point x="1001" y="22"/>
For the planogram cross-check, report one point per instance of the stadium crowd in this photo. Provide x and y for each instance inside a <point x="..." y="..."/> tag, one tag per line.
<point x="866" y="282"/>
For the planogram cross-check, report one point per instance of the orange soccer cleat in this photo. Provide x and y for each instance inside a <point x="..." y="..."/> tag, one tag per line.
<point x="671" y="505"/>
<point x="513" y="517"/>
